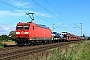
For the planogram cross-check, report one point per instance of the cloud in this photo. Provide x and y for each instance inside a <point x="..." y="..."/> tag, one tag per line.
<point x="18" y="13"/>
<point x="42" y="14"/>
<point x="36" y="13"/>
<point x="5" y="28"/>
<point x="22" y="4"/>
<point x="10" y="13"/>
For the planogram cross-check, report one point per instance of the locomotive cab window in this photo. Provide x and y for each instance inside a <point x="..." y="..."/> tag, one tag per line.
<point x="19" y="27"/>
<point x="26" y="27"/>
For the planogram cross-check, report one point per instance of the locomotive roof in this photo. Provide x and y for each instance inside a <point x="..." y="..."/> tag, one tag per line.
<point x="20" y="23"/>
<point x="42" y="26"/>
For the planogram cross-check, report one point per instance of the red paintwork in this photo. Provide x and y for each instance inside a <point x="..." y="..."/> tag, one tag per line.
<point x="72" y="37"/>
<point x="21" y="35"/>
<point x="37" y="33"/>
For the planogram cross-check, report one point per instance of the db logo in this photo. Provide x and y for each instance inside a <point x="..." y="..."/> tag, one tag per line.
<point x="22" y="32"/>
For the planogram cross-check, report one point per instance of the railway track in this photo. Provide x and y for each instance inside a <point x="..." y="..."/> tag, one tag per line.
<point x="17" y="52"/>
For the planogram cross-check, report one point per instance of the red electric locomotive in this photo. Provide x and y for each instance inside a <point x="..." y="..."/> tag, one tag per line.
<point x="29" y="32"/>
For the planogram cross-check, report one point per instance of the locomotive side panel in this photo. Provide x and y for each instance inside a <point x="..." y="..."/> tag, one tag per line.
<point x="38" y="32"/>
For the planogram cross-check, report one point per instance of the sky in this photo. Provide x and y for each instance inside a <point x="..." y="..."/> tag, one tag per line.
<point x="63" y="15"/>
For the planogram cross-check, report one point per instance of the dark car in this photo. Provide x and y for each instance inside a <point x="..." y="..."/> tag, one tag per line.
<point x="56" y="35"/>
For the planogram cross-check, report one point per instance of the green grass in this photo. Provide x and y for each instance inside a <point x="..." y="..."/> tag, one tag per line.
<point x="77" y="51"/>
<point x="1" y="44"/>
<point x="72" y="52"/>
<point x="10" y="40"/>
<point x="2" y="41"/>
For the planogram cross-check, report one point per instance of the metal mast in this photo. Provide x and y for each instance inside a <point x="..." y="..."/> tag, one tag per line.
<point x="81" y="29"/>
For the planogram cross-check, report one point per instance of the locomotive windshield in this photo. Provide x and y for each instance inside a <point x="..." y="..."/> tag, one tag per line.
<point x="23" y="27"/>
<point x="19" y="27"/>
<point x="26" y="27"/>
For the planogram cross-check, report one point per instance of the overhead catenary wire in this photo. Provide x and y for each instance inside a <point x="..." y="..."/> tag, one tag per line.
<point x="12" y="5"/>
<point x="51" y="6"/>
<point x="20" y="9"/>
<point x="59" y="13"/>
<point x="26" y="11"/>
<point x="64" y="17"/>
<point x="37" y="16"/>
<point x="50" y="12"/>
<point x="46" y="9"/>
<point x="33" y="9"/>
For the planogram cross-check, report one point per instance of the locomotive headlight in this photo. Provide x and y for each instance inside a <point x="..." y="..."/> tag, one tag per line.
<point x="17" y="32"/>
<point x="26" y="32"/>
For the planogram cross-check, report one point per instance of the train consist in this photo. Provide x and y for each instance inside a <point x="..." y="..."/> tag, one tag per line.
<point x="30" y="33"/>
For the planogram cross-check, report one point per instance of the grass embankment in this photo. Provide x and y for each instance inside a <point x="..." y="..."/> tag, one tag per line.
<point x="1" y="44"/>
<point x="3" y="41"/>
<point x="77" y="51"/>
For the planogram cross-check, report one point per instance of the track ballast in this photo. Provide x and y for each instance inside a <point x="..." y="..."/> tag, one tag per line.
<point x="17" y="52"/>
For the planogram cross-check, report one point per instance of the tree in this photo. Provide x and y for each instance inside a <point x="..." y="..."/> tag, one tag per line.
<point x="4" y="37"/>
<point x="12" y="35"/>
<point x="88" y="38"/>
<point x="1" y="38"/>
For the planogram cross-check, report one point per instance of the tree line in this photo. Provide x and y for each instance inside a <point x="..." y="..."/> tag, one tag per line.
<point x="11" y="36"/>
<point x="88" y="38"/>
